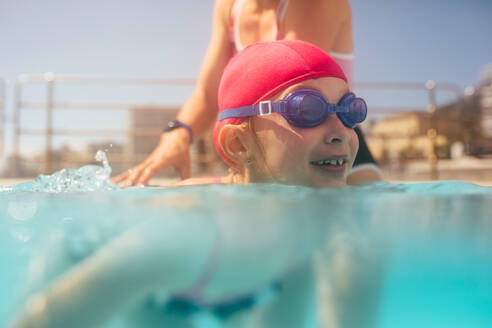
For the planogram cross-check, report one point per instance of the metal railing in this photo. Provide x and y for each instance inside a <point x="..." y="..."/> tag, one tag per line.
<point x="52" y="104"/>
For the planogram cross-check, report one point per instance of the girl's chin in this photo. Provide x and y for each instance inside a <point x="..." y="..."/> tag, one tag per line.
<point x="329" y="178"/>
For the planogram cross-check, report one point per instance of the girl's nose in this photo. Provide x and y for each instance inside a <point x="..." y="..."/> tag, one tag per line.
<point x="335" y="131"/>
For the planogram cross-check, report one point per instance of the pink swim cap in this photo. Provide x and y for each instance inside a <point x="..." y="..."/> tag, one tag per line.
<point x="263" y="69"/>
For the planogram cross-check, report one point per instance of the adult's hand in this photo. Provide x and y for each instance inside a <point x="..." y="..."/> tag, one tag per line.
<point x="173" y="150"/>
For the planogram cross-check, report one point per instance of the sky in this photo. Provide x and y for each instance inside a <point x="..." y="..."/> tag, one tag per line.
<point x="447" y="41"/>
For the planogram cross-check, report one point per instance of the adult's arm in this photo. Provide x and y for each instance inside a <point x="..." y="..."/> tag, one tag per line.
<point x="199" y="111"/>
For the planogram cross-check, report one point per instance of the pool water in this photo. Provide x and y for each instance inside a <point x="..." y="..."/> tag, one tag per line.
<point x="423" y="249"/>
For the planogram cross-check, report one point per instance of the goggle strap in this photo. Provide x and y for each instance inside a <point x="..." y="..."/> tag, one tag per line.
<point x="253" y="110"/>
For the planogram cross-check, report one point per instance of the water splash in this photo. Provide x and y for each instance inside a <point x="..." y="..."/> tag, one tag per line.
<point x="6" y="189"/>
<point x="86" y="178"/>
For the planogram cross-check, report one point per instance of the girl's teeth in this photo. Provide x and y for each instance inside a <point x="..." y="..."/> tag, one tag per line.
<point x="332" y="162"/>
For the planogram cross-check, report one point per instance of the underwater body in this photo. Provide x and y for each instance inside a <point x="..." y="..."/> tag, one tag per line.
<point x="392" y="255"/>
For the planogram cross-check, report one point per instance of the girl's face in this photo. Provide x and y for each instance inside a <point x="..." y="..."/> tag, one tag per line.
<point x="305" y="156"/>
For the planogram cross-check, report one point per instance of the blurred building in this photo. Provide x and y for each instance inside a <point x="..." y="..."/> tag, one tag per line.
<point x="465" y="123"/>
<point x="147" y="124"/>
<point x="403" y="137"/>
<point x="469" y="121"/>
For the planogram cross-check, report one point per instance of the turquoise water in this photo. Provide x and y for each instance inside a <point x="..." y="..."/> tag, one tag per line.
<point x="427" y="246"/>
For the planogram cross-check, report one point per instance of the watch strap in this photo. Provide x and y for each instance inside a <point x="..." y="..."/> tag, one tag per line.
<point x="174" y="124"/>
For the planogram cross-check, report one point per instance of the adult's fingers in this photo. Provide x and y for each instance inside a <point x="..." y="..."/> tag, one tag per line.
<point x="162" y="157"/>
<point x="131" y="176"/>
<point x="184" y="168"/>
<point x="128" y="181"/>
<point x="120" y="177"/>
<point x="129" y="173"/>
<point x="148" y="173"/>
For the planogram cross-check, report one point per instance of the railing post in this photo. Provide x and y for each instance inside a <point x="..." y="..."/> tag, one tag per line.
<point x="50" y="84"/>
<point x="16" y="122"/>
<point x="432" y="131"/>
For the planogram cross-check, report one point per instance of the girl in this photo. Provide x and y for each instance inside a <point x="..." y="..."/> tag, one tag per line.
<point x="277" y="121"/>
<point x="286" y="116"/>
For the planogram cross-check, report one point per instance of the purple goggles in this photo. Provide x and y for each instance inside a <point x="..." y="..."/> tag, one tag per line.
<point x="306" y="108"/>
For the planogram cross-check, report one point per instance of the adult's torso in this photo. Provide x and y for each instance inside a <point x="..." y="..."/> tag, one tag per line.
<point x="253" y="20"/>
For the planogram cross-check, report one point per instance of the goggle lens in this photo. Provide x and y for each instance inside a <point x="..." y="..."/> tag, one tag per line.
<point x="357" y="110"/>
<point x="310" y="110"/>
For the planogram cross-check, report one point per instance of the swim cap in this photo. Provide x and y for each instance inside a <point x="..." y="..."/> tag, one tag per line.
<point x="263" y="69"/>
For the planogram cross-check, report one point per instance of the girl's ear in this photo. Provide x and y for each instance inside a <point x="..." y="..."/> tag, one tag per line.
<point x="234" y="141"/>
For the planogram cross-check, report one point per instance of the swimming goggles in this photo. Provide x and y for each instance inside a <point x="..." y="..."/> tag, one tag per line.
<point x="306" y="108"/>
